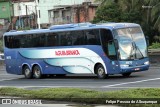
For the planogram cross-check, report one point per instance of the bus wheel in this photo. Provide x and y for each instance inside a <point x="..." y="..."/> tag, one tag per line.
<point x="126" y="74"/>
<point x="27" y="72"/>
<point x="100" y="72"/>
<point x="37" y="72"/>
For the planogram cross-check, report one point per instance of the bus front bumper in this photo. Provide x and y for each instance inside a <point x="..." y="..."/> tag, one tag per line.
<point x="134" y="69"/>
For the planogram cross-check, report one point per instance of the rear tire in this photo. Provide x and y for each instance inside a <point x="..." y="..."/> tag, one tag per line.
<point x="100" y="71"/>
<point x="126" y="74"/>
<point x="37" y="74"/>
<point x="27" y="72"/>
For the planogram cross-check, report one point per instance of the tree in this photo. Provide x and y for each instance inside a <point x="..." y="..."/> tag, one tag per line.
<point x="108" y="12"/>
<point x="144" y="12"/>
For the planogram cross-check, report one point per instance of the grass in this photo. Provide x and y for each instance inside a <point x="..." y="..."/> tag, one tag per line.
<point x="82" y="95"/>
<point x="52" y="93"/>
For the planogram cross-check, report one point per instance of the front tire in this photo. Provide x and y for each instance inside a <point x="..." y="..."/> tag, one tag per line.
<point x="100" y="71"/>
<point x="27" y="72"/>
<point x="37" y="72"/>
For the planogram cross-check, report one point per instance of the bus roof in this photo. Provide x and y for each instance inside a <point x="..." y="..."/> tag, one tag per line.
<point x="72" y="27"/>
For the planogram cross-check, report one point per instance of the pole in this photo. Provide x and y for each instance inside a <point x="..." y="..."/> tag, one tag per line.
<point x="38" y="16"/>
<point x="19" y="8"/>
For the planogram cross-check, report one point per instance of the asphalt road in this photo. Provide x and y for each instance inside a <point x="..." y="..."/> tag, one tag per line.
<point x="146" y="79"/>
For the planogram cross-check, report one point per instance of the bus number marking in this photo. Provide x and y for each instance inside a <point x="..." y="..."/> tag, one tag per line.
<point x="8" y="57"/>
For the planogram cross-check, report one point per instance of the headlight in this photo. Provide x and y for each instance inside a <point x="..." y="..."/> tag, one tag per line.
<point x="146" y="63"/>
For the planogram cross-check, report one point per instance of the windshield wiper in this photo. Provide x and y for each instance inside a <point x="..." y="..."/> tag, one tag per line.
<point x="137" y="48"/>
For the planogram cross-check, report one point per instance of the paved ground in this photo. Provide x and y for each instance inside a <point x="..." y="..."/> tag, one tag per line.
<point x="146" y="79"/>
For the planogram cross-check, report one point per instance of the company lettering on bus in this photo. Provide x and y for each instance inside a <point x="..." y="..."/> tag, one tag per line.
<point x="67" y="52"/>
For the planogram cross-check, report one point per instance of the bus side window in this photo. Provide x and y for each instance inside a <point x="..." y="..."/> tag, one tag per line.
<point x="92" y="37"/>
<point x="12" y="42"/>
<point x="68" y="38"/>
<point x="51" y="39"/>
<point x="77" y="37"/>
<point x="63" y="39"/>
<point x="7" y="41"/>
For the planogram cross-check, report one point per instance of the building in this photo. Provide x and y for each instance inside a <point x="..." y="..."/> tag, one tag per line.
<point x="6" y="11"/>
<point x="24" y="14"/>
<point x="78" y="13"/>
<point x="45" y="5"/>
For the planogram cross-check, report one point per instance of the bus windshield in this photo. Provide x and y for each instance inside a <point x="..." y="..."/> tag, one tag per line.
<point x="131" y="43"/>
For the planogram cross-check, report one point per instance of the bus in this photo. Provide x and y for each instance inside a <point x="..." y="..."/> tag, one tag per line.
<point x="82" y="48"/>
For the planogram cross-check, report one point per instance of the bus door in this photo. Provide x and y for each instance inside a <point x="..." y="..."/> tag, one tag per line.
<point x="109" y="48"/>
<point x="112" y="55"/>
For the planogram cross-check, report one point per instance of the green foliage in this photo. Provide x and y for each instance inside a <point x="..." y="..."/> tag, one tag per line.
<point x="26" y="28"/>
<point x="109" y="12"/>
<point x="132" y="11"/>
<point x="112" y="12"/>
<point x="83" y="95"/>
<point x="1" y="45"/>
<point x="155" y="45"/>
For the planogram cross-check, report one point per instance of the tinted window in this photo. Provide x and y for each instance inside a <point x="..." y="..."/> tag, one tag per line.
<point x="86" y="37"/>
<point x="65" y="38"/>
<point x="31" y="40"/>
<point x="51" y="39"/>
<point x="78" y="38"/>
<point x="92" y="37"/>
<point x="12" y="42"/>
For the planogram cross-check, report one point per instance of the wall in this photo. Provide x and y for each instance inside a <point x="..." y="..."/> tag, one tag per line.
<point x="92" y="12"/>
<point x="22" y="10"/>
<point x="45" y="5"/>
<point x="84" y="12"/>
<point x="154" y="57"/>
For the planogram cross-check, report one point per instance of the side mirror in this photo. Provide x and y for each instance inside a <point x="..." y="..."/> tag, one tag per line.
<point x="147" y="40"/>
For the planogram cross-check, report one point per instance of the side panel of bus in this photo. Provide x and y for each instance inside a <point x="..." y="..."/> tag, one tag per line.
<point x="12" y="61"/>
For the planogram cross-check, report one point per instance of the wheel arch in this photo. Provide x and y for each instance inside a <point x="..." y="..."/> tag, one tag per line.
<point x="24" y="65"/>
<point x="36" y="64"/>
<point x="98" y="63"/>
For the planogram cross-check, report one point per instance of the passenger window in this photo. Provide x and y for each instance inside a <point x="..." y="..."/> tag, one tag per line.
<point x="92" y="37"/>
<point x="51" y="39"/>
<point x="12" y="42"/>
<point x="65" y="39"/>
<point x="78" y="37"/>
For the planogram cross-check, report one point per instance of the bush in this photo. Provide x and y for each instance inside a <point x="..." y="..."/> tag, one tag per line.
<point x="1" y="45"/>
<point x="154" y="45"/>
